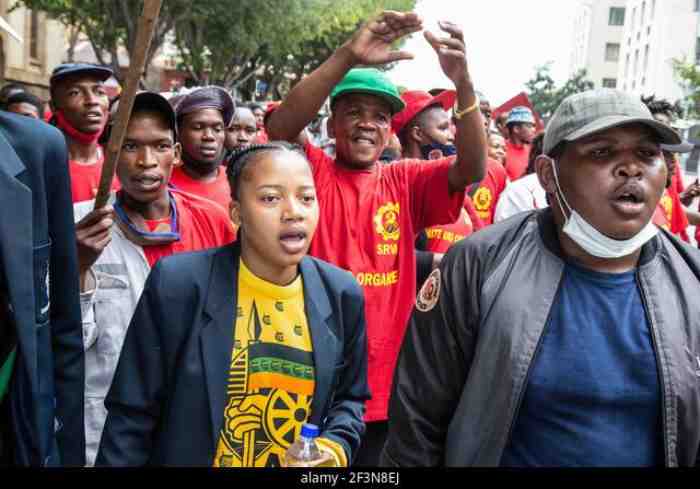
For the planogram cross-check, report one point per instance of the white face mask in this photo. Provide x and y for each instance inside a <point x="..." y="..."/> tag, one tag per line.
<point x="593" y="241"/>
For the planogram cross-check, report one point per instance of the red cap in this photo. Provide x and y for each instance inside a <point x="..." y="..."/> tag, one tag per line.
<point x="416" y="102"/>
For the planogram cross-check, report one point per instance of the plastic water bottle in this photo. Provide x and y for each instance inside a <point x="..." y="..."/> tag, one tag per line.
<point x="304" y="452"/>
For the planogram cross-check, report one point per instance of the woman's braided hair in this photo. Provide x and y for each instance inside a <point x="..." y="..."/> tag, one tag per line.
<point x="240" y="159"/>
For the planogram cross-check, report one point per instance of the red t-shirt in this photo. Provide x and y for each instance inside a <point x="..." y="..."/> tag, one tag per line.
<point x="85" y="179"/>
<point x="486" y="196"/>
<point x="368" y="224"/>
<point x="440" y="238"/>
<point x="201" y="223"/>
<point x="217" y="191"/>
<point x="517" y="158"/>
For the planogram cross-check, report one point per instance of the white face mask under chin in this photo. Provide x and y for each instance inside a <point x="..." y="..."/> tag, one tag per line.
<point x="593" y="241"/>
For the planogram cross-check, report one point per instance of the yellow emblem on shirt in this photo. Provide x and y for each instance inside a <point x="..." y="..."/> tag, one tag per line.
<point x="386" y="221"/>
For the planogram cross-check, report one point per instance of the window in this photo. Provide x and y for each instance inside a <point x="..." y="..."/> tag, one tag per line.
<point x="617" y="16"/>
<point x="636" y="65"/>
<point x="34" y="34"/>
<point x="612" y="51"/>
<point x="653" y="9"/>
<point x="634" y="18"/>
<point x="627" y="66"/>
<point x="609" y="83"/>
<point x="641" y="17"/>
<point x="697" y="51"/>
<point x="697" y="5"/>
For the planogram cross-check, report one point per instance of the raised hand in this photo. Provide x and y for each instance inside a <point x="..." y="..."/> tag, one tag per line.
<point x="690" y="193"/>
<point x="451" y="52"/>
<point x="371" y="44"/>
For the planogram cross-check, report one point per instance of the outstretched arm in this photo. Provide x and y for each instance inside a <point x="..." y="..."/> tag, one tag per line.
<point x="371" y="45"/>
<point x="470" y="165"/>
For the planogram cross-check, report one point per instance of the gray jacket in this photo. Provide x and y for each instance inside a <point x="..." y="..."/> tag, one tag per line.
<point x="464" y="364"/>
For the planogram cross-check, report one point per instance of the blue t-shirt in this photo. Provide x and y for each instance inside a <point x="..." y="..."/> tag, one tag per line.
<point x="593" y="397"/>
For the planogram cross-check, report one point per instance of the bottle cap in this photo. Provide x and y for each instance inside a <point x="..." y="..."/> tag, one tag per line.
<point x="309" y="430"/>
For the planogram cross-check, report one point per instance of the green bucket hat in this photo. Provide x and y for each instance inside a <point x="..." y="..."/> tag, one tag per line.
<point x="370" y="81"/>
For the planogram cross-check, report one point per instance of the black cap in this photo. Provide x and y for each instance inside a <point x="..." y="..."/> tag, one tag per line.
<point x="153" y="101"/>
<point x="68" y="69"/>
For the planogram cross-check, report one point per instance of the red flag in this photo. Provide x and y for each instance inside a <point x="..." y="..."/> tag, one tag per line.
<point x="520" y="99"/>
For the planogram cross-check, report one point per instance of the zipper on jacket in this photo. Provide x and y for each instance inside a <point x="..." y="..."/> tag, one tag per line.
<point x="655" y="346"/>
<point x="514" y="418"/>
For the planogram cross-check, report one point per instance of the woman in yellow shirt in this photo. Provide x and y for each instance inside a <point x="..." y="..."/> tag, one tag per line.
<point x="232" y="349"/>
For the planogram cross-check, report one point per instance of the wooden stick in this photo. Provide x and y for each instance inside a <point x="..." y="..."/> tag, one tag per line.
<point x="144" y="35"/>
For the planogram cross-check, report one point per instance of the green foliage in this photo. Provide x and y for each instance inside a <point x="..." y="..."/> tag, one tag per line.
<point x="689" y="77"/>
<point x="109" y="24"/>
<point x="546" y="96"/>
<point x="276" y="41"/>
<point x="225" y="42"/>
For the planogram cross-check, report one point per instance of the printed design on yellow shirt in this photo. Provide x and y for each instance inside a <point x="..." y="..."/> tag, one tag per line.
<point x="386" y="221"/>
<point x="271" y="379"/>
<point x="667" y="205"/>
<point x="482" y="202"/>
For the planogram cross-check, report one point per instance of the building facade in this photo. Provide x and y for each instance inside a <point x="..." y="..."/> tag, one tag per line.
<point x="598" y="30"/>
<point x="657" y="33"/>
<point x="31" y="61"/>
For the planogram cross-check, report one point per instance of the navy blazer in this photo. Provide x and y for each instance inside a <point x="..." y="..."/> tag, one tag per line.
<point x="166" y="403"/>
<point x="38" y="253"/>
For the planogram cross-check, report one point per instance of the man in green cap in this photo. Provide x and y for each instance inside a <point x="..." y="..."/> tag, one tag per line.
<point x="370" y="213"/>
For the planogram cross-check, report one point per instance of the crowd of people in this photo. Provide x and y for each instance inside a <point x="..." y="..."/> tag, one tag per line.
<point x="427" y="285"/>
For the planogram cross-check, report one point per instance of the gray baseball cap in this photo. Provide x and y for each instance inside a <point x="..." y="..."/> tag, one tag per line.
<point x="684" y="147"/>
<point x="587" y="113"/>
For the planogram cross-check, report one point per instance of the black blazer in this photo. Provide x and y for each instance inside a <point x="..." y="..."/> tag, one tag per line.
<point x="39" y="259"/>
<point x="166" y="403"/>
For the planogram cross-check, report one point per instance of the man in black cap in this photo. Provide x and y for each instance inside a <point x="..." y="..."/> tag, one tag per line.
<point x="25" y="103"/>
<point x="41" y="343"/>
<point x="202" y="118"/>
<point x="80" y="110"/>
<point x="8" y="90"/>
<point x="118" y="244"/>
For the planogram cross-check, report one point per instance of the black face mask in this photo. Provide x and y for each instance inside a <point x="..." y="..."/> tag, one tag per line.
<point x="437" y="150"/>
<point x="389" y="155"/>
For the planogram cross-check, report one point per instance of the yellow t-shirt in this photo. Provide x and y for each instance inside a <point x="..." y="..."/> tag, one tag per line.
<point x="271" y="380"/>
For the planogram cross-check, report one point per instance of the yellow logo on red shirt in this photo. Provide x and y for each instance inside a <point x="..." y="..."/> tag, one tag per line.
<point x="482" y="199"/>
<point x="386" y="221"/>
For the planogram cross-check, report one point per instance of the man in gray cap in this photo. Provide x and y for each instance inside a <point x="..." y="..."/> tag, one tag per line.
<point x="568" y="336"/>
<point x="202" y="118"/>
